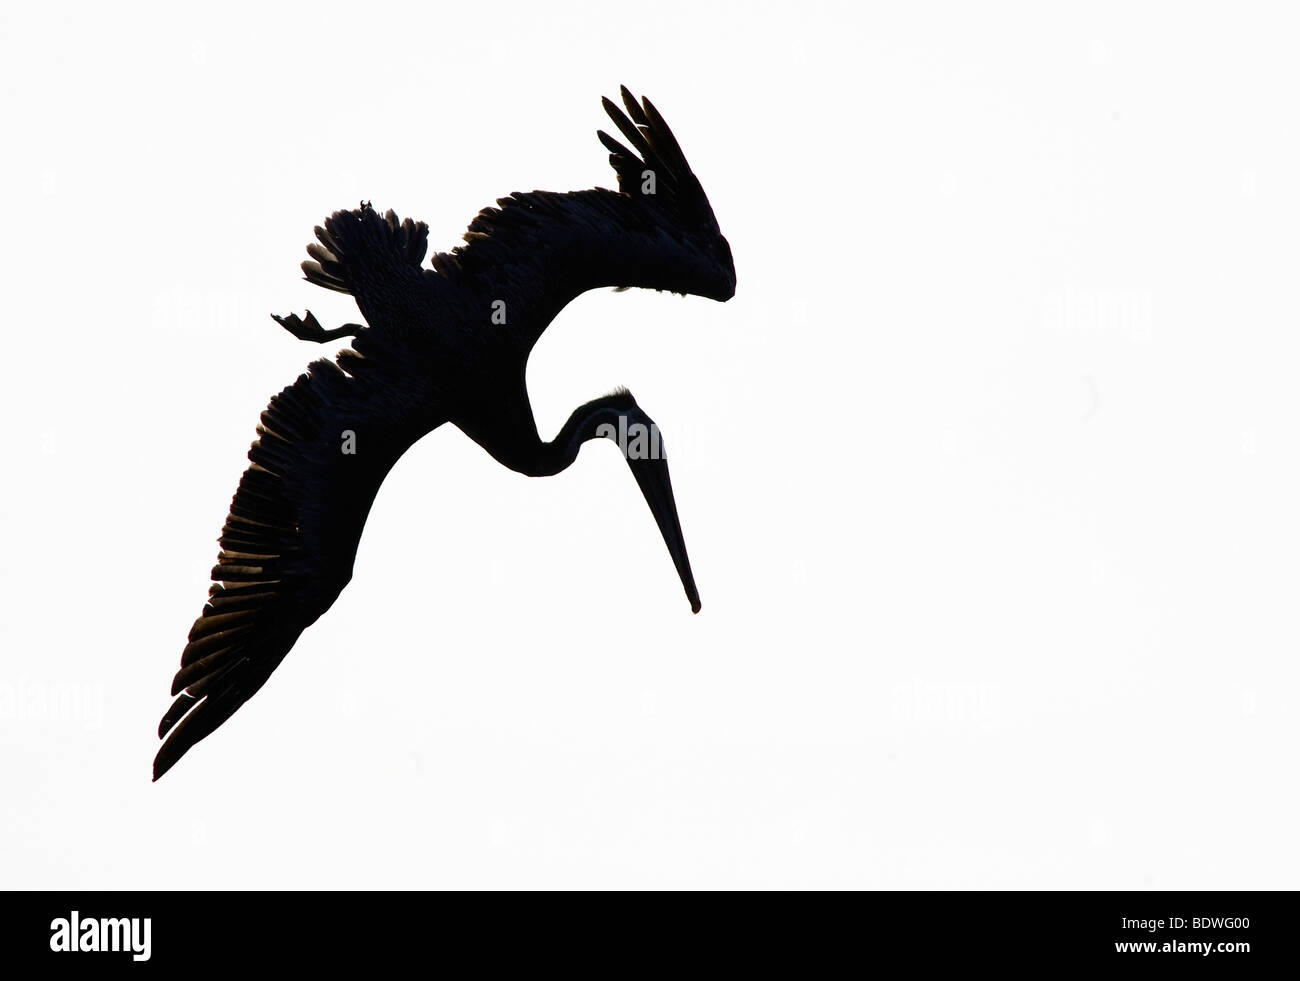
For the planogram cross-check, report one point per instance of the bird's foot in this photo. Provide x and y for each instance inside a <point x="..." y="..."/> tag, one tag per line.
<point x="311" y="330"/>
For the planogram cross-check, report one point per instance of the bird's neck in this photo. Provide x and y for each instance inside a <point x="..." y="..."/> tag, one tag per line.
<point x="507" y="431"/>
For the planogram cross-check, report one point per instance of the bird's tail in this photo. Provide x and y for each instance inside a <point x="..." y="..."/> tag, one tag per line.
<point x="361" y="246"/>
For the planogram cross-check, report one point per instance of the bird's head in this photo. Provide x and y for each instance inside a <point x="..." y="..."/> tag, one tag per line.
<point x="722" y="282"/>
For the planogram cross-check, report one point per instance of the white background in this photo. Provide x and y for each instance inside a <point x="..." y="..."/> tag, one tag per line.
<point x="989" y="472"/>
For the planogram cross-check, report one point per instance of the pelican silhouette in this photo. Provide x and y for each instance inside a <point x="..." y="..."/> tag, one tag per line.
<point x="447" y="344"/>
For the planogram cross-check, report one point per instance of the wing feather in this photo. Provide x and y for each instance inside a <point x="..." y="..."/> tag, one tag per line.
<point x="291" y="537"/>
<point x="550" y="247"/>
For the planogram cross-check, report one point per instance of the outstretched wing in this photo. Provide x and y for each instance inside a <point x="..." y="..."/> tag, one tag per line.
<point x="545" y="248"/>
<point x="325" y="444"/>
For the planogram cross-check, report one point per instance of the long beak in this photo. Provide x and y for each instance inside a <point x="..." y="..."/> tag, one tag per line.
<point x="652" y="475"/>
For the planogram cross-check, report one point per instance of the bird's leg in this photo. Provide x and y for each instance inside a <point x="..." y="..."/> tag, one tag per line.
<point x="311" y="330"/>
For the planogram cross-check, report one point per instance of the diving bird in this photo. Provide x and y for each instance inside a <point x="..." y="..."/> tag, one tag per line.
<point x="443" y="344"/>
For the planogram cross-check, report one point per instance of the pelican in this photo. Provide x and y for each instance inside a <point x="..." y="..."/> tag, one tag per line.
<point x="443" y="344"/>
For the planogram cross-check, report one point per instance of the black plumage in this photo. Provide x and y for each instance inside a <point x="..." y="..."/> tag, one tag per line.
<point x="443" y="344"/>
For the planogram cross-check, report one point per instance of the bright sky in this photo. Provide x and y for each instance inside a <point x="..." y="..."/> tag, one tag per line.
<point x="988" y="472"/>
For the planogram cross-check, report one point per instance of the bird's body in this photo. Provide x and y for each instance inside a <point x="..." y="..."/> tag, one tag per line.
<point x="447" y="344"/>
